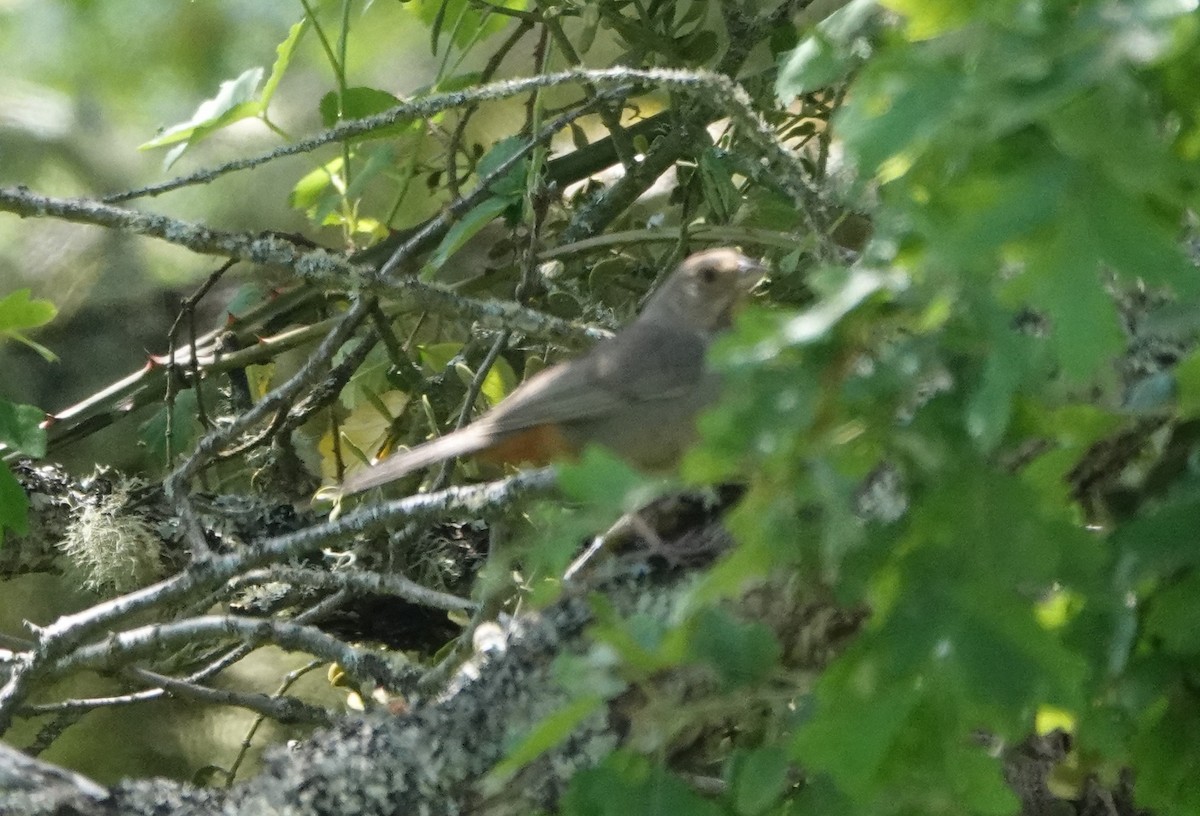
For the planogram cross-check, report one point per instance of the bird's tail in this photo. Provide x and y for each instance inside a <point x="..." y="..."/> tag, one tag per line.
<point x="470" y="439"/>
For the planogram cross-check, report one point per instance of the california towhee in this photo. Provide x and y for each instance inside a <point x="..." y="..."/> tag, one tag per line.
<point x="636" y="394"/>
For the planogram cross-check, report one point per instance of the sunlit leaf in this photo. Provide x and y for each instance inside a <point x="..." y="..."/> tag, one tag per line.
<point x="236" y="99"/>
<point x="283" y="58"/>
<point x="313" y="184"/>
<point x="19" y="311"/>
<point x="928" y="18"/>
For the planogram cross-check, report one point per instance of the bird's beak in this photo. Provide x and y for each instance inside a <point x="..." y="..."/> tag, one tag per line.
<point x="750" y="273"/>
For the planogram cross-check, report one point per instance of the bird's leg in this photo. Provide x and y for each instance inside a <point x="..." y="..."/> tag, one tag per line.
<point x="628" y="525"/>
<point x="679" y="530"/>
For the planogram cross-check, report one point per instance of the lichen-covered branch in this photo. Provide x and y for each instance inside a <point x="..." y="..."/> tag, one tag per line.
<point x="56" y="643"/>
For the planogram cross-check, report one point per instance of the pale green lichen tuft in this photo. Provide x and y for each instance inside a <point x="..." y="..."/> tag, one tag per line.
<point x="110" y="550"/>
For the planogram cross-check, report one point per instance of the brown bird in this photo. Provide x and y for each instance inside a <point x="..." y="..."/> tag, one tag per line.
<point x="636" y="394"/>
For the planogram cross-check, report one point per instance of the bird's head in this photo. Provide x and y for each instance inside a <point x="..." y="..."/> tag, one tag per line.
<point x="704" y="290"/>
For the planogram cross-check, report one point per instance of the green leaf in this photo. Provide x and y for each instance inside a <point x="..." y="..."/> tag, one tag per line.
<point x="20" y="428"/>
<point x="354" y="103"/>
<point x="1127" y="236"/>
<point x="895" y="110"/>
<point x="820" y="795"/>
<point x="499" y="382"/>
<point x="644" y="644"/>
<point x="856" y="726"/>
<point x="1073" y="428"/>
<point x="1005" y="371"/>
<point x="510" y="185"/>
<point x="436" y="357"/>
<point x="1162" y="541"/>
<point x="628" y="785"/>
<point x="757" y="779"/>
<point x="1187" y="378"/>
<point x="748" y="561"/>
<point x="235" y="100"/>
<point x="360" y="102"/>
<point x="589" y="17"/>
<point x="249" y="295"/>
<point x="45" y="353"/>
<point x="700" y="47"/>
<point x="948" y="606"/>
<point x="1174" y="616"/>
<point x="977" y="217"/>
<point x="552" y="730"/>
<point x="460" y="20"/>
<point x="741" y="653"/>
<point x="1096" y="125"/>
<point x="556" y="530"/>
<point x="601" y="479"/>
<point x="900" y="747"/>
<point x="313" y="184"/>
<point x="463" y="230"/>
<point x="985" y="639"/>
<point x="849" y="289"/>
<point x="716" y="178"/>
<point x="14" y="505"/>
<point x="768" y="397"/>
<point x="1166" y="757"/>
<point x="457" y="82"/>
<point x="1066" y="285"/>
<point x="18" y="312"/>
<point x="370" y="380"/>
<point x="594" y="672"/>
<point x="379" y="161"/>
<point x="929" y="18"/>
<point x="828" y="54"/>
<point x="992" y="526"/>
<point x="813" y="64"/>
<point x="283" y="58"/>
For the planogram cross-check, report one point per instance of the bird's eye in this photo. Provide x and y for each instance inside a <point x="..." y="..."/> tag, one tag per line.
<point x="708" y="274"/>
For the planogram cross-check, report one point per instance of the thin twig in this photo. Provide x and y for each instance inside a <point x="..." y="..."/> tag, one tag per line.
<point x="356" y="582"/>
<point x="57" y="641"/>
<point x="362" y="664"/>
<point x="275" y="700"/>
<point x="715" y="88"/>
<point x="313" y="614"/>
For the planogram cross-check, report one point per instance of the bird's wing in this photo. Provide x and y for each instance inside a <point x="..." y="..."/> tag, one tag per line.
<point x="641" y="364"/>
<point x="457" y="443"/>
<point x="654" y="363"/>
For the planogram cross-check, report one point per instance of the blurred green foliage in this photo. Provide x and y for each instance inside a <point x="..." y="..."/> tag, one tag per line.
<point x="1030" y="158"/>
